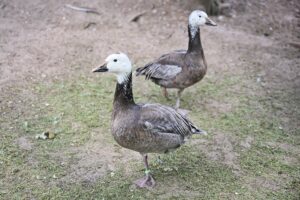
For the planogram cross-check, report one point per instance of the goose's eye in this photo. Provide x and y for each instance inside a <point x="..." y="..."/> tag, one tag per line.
<point x="199" y="16"/>
<point x="115" y="60"/>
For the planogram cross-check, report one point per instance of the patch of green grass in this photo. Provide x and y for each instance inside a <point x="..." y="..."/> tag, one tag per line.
<point x="185" y="174"/>
<point x="69" y="109"/>
<point x="73" y="109"/>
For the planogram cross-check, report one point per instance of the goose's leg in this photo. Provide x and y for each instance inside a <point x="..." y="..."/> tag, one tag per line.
<point x="178" y="98"/>
<point x="148" y="180"/>
<point x="165" y="93"/>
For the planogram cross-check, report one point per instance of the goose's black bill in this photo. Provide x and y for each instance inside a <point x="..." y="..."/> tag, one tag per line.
<point x="210" y="22"/>
<point x="102" y="68"/>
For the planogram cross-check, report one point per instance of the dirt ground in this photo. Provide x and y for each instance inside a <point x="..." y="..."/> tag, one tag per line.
<point x="43" y="43"/>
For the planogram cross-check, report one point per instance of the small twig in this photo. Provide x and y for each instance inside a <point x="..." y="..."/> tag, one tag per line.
<point x="169" y="36"/>
<point x="82" y="9"/>
<point x="2" y="6"/>
<point x="89" y="25"/>
<point x="295" y="44"/>
<point x="137" y="17"/>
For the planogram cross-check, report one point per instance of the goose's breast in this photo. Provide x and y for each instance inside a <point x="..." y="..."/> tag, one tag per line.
<point x="135" y="139"/>
<point x="127" y="131"/>
<point x="131" y="135"/>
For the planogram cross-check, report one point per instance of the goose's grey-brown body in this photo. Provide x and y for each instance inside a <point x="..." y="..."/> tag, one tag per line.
<point x="179" y="69"/>
<point x="182" y="68"/>
<point x="145" y="128"/>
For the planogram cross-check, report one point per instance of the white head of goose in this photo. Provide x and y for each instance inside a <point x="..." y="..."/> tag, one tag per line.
<point x="145" y="128"/>
<point x="181" y="68"/>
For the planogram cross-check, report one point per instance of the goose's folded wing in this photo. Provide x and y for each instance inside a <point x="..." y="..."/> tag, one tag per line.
<point x="159" y="71"/>
<point x="165" y="67"/>
<point x="157" y="118"/>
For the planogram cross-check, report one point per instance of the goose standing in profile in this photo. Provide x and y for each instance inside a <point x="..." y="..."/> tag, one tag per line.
<point x="181" y="68"/>
<point x="145" y="128"/>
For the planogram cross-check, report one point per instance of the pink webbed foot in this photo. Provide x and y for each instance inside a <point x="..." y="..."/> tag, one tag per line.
<point x="145" y="182"/>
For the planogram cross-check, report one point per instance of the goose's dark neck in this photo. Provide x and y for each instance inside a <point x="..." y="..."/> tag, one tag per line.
<point x="123" y="94"/>
<point x="194" y="39"/>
